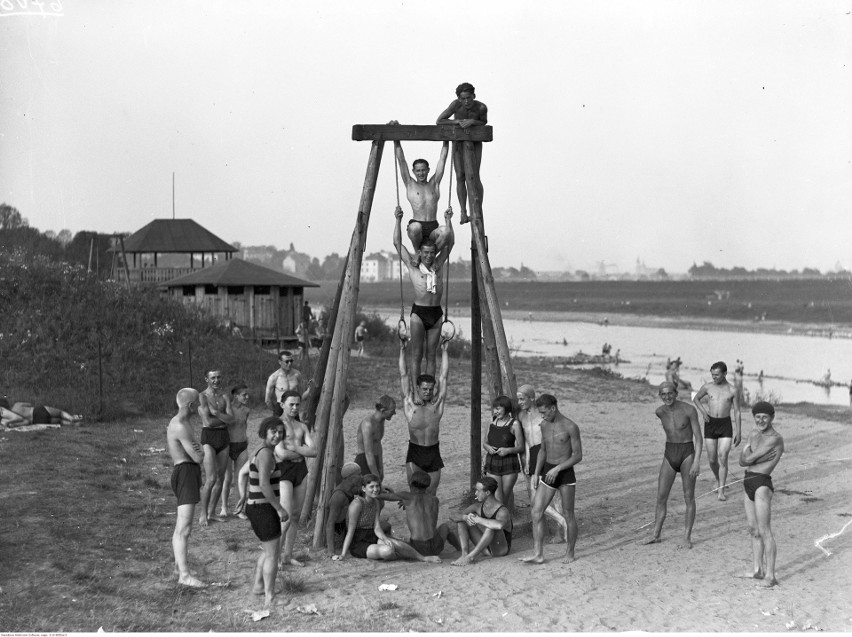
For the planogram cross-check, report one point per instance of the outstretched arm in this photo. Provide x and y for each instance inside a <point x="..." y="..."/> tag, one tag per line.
<point x="444" y="256"/>
<point x="400" y="159"/>
<point x="445" y="370"/>
<point x="403" y="252"/>
<point x="442" y="162"/>
<point x="404" y="377"/>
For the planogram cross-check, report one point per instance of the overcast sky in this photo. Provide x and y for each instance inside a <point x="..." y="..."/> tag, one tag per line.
<point x="673" y="132"/>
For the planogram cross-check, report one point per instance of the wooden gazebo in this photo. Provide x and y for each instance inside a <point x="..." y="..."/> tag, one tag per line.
<point x="151" y="254"/>
<point x="264" y="304"/>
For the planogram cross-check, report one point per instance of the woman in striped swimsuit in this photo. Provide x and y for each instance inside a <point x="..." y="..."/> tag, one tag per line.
<point x="264" y="510"/>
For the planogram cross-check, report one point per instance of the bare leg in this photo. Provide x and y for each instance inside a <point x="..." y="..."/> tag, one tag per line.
<point x="499" y="494"/>
<point x="543" y="496"/>
<point x="461" y="187"/>
<point x="724" y="450"/>
<point x="507" y="484"/>
<point x="567" y="492"/>
<point x="227" y="482"/>
<point x="688" y="499"/>
<point x="415" y="234"/>
<point x="222" y="460"/>
<point x="180" y="545"/>
<point x="418" y="344"/>
<point x="433" y="338"/>
<point x="210" y="478"/>
<point x="712" y="447"/>
<point x="768" y="549"/>
<point x="408" y="552"/>
<point x="435" y="477"/>
<point x="270" y="569"/>
<point x="439" y="237"/>
<point x="756" y="541"/>
<point x="664" y="487"/>
<point x="292" y="499"/>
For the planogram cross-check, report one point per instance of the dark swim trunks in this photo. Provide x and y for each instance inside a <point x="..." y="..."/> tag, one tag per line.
<point x="294" y="472"/>
<point x="186" y="482"/>
<point x="566" y="476"/>
<point x="427" y="458"/>
<point x="753" y="481"/>
<point x="427" y="227"/>
<point x="719" y="428"/>
<point x="236" y="449"/>
<point x="430" y="315"/>
<point x="532" y="459"/>
<point x="677" y="452"/>
<point x="361" y="541"/>
<point x="433" y="546"/>
<point x="361" y="461"/>
<point x="216" y="438"/>
<point x="265" y="521"/>
<point x="41" y="416"/>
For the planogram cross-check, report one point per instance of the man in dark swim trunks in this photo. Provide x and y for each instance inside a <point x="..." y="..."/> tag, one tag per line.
<point x="761" y="455"/>
<point x="487" y="523"/>
<point x="426" y="274"/>
<point x="423" y="194"/>
<point x="215" y="411"/>
<point x="722" y="423"/>
<point x="423" y="413"/>
<point x="186" y="455"/>
<point x="21" y="414"/>
<point x="368" y="440"/>
<point x="680" y="422"/>
<point x="421" y="515"/>
<point x="561" y="449"/>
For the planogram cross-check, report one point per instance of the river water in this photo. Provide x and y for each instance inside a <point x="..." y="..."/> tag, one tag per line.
<point x="789" y="363"/>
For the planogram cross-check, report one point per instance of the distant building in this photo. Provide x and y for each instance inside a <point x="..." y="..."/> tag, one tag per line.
<point x="258" y="254"/>
<point x="379" y="266"/>
<point x="295" y="262"/>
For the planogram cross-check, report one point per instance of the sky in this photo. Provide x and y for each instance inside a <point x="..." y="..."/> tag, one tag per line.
<point x="673" y="132"/>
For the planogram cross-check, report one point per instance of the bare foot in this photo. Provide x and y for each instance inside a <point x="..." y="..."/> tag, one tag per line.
<point x="202" y="520"/>
<point x="686" y="543"/>
<point x="193" y="582"/>
<point x="257" y="591"/>
<point x="532" y="559"/>
<point x="653" y="540"/>
<point x="569" y="557"/>
<point x="756" y="575"/>
<point x="463" y="219"/>
<point x="219" y="518"/>
<point x="434" y="559"/>
<point x="767" y="582"/>
<point x="722" y="496"/>
<point x="242" y="516"/>
<point x="292" y="562"/>
<point x="464" y="560"/>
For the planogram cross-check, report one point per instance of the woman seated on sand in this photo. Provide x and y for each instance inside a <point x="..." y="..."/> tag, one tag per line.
<point x="21" y="414"/>
<point x="503" y="442"/>
<point x="364" y="535"/>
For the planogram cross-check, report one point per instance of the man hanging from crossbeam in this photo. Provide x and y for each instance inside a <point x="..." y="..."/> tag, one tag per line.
<point x="423" y="193"/>
<point x="425" y="270"/>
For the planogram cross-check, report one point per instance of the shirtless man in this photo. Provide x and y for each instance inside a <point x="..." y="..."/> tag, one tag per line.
<point x="466" y="112"/>
<point x="423" y="413"/>
<point x="719" y="431"/>
<point x="680" y="422"/>
<point x="531" y="422"/>
<point x="215" y="411"/>
<point x="238" y="449"/>
<point x="369" y="437"/>
<point x="561" y="449"/>
<point x="281" y="380"/>
<point x="290" y="455"/>
<point x="426" y="274"/>
<point x="187" y="456"/>
<point x="423" y="194"/>
<point x="421" y="515"/>
<point x="21" y="414"/>
<point x="338" y="504"/>
<point x="360" y="336"/>
<point x="487" y="523"/>
<point x="760" y="455"/>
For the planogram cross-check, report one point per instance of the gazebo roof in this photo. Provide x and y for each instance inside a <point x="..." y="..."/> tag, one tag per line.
<point x="239" y="272"/>
<point x="175" y="235"/>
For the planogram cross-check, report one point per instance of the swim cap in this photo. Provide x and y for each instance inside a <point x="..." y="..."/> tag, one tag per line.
<point x="668" y="385"/>
<point x="350" y="468"/>
<point x="763" y="407"/>
<point x="527" y="390"/>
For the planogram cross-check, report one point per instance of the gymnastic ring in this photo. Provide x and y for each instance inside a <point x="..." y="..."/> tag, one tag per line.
<point x="448" y="330"/>
<point x="402" y="330"/>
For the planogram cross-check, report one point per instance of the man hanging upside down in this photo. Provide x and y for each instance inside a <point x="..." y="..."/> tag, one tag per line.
<point x="426" y="274"/>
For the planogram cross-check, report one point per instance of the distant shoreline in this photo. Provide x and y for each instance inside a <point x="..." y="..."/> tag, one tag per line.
<point x="686" y="323"/>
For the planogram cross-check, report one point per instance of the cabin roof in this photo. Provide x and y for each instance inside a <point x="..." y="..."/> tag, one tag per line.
<point x="239" y="272"/>
<point x="175" y="235"/>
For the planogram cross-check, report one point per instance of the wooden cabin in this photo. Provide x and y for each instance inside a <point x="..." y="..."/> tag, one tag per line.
<point x="264" y="304"/>
<point x="168" y="248"/>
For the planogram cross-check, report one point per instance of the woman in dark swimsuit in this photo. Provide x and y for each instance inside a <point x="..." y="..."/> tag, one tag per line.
<point x="505" y="439"/>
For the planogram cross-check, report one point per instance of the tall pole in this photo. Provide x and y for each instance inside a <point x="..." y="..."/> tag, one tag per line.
<point x="475" y="374"/>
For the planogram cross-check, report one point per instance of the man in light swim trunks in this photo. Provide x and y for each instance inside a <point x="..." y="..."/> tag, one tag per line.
<point x="423" y="412"/>
<point x="368" y="440"/>
<point x="719" y="430"/>
<point x="290" y="454"/>
<point x="465" y="111"/>
<point x="214" y="407"/>
<point x="531" y="422"/>
<point x="423" y="194"/>
<point x="487" y="523"/>
<point x="21" y="414"/>
<point x="421" y="515"/>
<point x="283" y="379"/>
<point x="680" y="422"/>
<point x="561" y="450"/>
<point x="186" y="455"/>
<point x="761" y="455"/>
<point x="426" y="274"/>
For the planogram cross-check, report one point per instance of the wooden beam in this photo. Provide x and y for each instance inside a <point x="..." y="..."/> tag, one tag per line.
<point x="417" y="132"/>
<point x="475" y="375"/>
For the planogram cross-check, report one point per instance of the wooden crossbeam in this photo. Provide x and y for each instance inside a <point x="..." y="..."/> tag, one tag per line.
<point x="417" y="132"/>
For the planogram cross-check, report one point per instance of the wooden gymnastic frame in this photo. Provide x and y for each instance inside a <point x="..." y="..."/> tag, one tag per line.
<point x="325" y="403"/>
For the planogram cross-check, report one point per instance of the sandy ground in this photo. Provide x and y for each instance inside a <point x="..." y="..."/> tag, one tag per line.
<point x="616" y="583"/>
